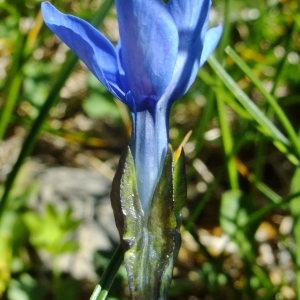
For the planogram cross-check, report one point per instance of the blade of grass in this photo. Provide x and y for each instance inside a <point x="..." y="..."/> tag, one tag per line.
<point x="13" y="85"/>
<point x="227" y="144"/>
<point x="211" y="188"/>
<point x="287" y="47"/>
<point x="260" y="186"/>
<point x="262" y="146"/>
<point x="101" y="290"/>
<point x="265" y="125"/>
<point x="259" y="214"/>
<point x="286" y="124"/>
<point x="8" y="106"/>
<point x="206" y="116"/>
<point x="249" y="105"/>
<point x="201" y="204"/>
<point x="264" y="189"/>
<point x="208" y="111"/>
<point x="32" y="136"/>
<point x="226" y="36"/>
<point x="295" y="212"/>
<point x="218" y="89"/>
<point x="22" y="50"/>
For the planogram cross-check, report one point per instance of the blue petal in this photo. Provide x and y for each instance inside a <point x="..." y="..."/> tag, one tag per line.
<point x="123" y="77"/>
<point x="191" y="18"/>
<point x="89" y="45"/>
<point x="211" y="40"/>
<point x="149" y="46"/>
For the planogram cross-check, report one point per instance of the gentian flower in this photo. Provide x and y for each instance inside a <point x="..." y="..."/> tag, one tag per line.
<point x="161" y="48"/>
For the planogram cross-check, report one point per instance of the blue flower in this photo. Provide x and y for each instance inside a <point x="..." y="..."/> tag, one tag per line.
<point x="161" y="48"/>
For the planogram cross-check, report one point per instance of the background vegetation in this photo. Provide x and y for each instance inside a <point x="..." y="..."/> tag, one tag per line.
<point x="241" y="233"/>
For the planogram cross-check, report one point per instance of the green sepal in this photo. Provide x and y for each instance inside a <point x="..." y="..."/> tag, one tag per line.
<point x="179" y="185"/>
<point x="150" y="240"/>
<point x="125" y="202"/>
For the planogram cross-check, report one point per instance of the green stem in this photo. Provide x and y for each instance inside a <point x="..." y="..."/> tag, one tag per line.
<point x="101" y="290"/>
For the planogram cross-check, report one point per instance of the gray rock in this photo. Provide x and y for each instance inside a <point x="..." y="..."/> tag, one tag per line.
<point x="87" y="192"/>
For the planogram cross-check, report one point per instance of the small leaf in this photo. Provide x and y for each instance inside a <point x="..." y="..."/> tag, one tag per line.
<point x="51" y="231"/>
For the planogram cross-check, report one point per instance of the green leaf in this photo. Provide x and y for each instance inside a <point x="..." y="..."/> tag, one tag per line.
<point x="53" y="235"/>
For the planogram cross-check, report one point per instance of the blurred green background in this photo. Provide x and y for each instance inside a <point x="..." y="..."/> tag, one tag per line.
<point x="241" y="233"/>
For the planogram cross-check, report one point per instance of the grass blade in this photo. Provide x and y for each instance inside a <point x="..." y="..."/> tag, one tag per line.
<point x="269" y="98"/>
<point x="227" y="144"/>
<point x="265" y="125"/>
<point x="101" y="290"/>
